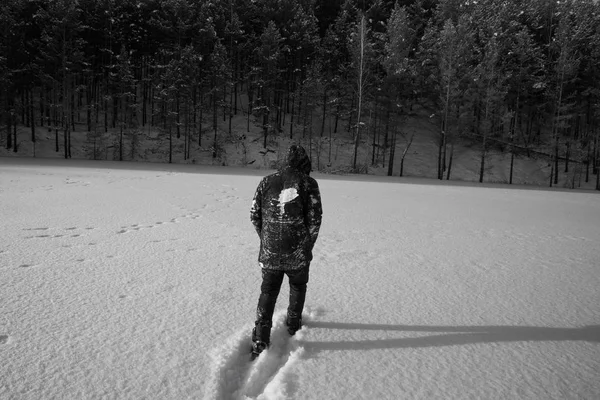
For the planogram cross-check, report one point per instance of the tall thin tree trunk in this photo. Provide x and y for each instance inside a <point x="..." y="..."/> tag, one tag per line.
<point x="32" y="116"/>
<point x="215" y="116"/>
<point x="337" y="112"/>
<point x="105" y="110"/>
<point x="177" y="116"/>
<point x="442" y="145"/>
<point x="15" y="141"/>
<point x="450" y="160"/>
<point x="324" y="111"/>
<point x="23" y="102"/>
<point x="200" y="117"/>
<point x="360" y="88"/>
<point x="515" y="123"/>
<point x="406" y="152"/>
<point x="250" y="106"/>
<point x="387" y="127"/>
<point x="170" y="144"/>
<point x="121" y="128"/>
<point x="72" y="108"/>
<point x="55" y="114"/>
<point x="567" y="156"/>
<point x="8" y="123"/>
<point x="392" y="152"/>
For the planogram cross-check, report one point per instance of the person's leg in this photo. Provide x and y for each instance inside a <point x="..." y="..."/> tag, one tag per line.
<point x="298" y="280"/>
<point x="269" y="290"/>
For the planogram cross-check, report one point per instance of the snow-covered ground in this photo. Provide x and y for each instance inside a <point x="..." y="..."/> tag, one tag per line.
<point x="131" y="281"/>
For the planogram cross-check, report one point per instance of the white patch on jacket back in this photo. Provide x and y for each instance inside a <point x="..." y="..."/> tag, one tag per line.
<point x="286" y="196"/>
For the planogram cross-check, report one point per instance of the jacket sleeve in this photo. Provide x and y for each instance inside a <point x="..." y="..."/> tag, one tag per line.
<point x="314" y="210"/>
<point x="256" y="209"/>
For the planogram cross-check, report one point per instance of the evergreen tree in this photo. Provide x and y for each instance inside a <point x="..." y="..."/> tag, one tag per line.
<point x="400" y="73"/>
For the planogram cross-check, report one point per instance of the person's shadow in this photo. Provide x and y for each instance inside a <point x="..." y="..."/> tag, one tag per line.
<point x="449" y="335"/>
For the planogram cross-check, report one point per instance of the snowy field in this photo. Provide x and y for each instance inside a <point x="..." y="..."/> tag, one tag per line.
<point x="137" y="281"/>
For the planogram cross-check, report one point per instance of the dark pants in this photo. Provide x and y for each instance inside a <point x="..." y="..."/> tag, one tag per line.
<point x="269" y="290"/>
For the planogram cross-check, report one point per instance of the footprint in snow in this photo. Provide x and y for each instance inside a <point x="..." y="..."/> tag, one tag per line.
<point x="235" y="376"/>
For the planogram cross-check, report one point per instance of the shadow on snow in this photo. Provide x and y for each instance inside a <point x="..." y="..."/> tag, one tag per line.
<point x="450" y="336"/>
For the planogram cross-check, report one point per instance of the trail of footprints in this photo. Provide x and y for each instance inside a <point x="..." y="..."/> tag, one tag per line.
<point x="54" y="233"/>
<point x="221" y="196"/>
<point x="175" y="220"/>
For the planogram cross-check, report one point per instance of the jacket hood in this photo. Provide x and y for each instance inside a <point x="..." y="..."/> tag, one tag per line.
<point x="298" y="159"/>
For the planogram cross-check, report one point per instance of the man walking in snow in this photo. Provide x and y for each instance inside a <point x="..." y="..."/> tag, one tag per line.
<point x="286" y="213"/>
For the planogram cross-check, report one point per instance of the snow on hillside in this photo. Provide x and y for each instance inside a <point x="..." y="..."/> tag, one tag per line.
<point x="244" y="148"/>
<point x="132" y="280"/>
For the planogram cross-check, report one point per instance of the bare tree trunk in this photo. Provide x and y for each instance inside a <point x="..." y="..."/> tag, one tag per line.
<point x="567" y="156"/>
<point x="231" y="96"/>
<point x="387" y="127"/>
<point x="65" y="111"/>
<point x="55" y="115"/>
<point x="170" y="144"/>
<point x="392" y="152"/>
<point x="337" y="112"/>
<point x="15" y="141"/>
<point x="485" y="133"/>
<point x="597" y="181"/>
<point x="200" y="119"/>
<point x="324" y="111"/>
<point x="32" y="116"/>
<point x="214" y="104"/>
<point x="515" y="123"/>
<point x="8" y="125"/>
<point x="361" y="83"/>
<point x="483" y="155"/>
<point x="250" y="105"/>
<point x="406" y="151"/>
<point x="450" y="161"/>
<point x="177" y="115"/>
<point x="556" y="159"/>
<point x="595" y="154"/>
<point x="587" y="164"/>
<point x="442" y="146"/>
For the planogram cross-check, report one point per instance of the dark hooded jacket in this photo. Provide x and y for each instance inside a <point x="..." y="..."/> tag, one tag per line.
<point x="286" y="213"/>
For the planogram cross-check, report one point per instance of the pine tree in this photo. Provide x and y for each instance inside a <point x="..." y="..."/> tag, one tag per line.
<point x="268" y="56"/>
<point x="400" y="72"/>
<point x="446" y="56"/>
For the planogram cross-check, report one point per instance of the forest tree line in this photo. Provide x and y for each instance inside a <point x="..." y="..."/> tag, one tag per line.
<point x="522" y="76"/>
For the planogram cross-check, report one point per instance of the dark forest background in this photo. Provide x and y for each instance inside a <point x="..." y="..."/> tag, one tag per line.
<point x="517" y="76"/>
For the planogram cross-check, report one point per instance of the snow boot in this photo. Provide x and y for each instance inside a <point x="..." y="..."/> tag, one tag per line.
<point x="257" y="348"/>
<point x="258" y="341"/>
<point x="293" y="325"/>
